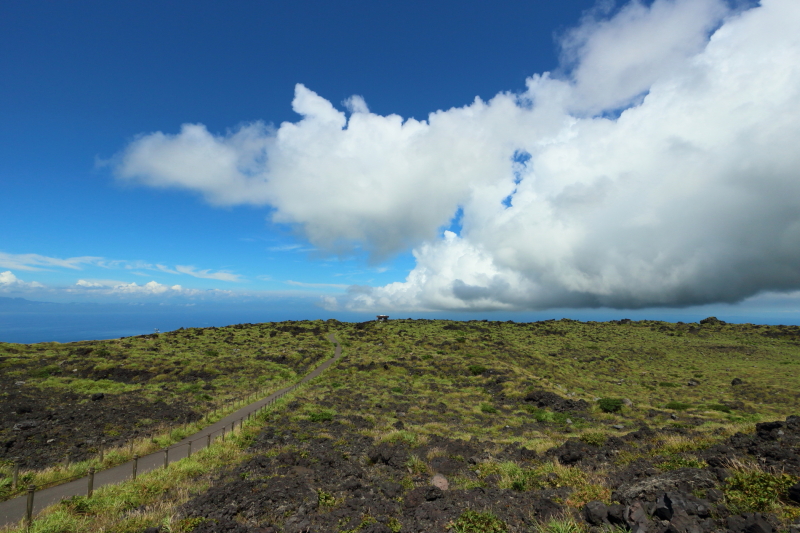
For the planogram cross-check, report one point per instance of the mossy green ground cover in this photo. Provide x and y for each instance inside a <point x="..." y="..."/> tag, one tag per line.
<point x="431" y="375"/>
<point x="229" y="361"/>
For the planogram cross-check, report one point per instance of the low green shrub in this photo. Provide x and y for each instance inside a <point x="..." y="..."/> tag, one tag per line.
<point x="477" y="370"/>
<point x="610" y="405"/>
<point x="752" y="490"/>
<point x="102" y="352"/>
<point x="594" y="438"/>
<point x="211" y="352"/>
<point x="668" y="384"/>
<point x="320" y="416"/>
<point x="45" y="371"/>
<point x="488" y="408"/>
<point x="474" y="522"/>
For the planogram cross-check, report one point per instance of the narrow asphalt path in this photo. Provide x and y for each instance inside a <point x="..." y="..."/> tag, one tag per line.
<point x="12" y="511"/>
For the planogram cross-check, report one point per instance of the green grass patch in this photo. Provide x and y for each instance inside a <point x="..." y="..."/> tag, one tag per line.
<point x="476" y="522"/>
<point x="751" y="489"/>
<point x="674" y="463"/>
<point x="719" y="407"/>
<point x="488" y="408"/>
<point x="677" y="406"/>
<point x="594" y="438"/>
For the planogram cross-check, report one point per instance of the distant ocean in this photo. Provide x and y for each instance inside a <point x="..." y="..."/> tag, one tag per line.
<point x="24" y="321"/>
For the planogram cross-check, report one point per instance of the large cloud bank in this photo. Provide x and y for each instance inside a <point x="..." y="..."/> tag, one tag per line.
<point x="661" y="168"/>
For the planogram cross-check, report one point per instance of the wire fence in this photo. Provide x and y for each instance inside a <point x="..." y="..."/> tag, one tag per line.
<point x="205" y="441"/>
<point x="103" y="452"/>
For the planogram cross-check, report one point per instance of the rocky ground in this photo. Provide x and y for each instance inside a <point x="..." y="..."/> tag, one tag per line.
<point x="64" y="401"/>
<point x="40" y="430"/>
<point x="344" y="482"/>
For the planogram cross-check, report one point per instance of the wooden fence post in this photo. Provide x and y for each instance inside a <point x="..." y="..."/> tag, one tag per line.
<point x="189" y="453"/>
<point x="29" y="509"/>
<point x="166" y="457"/>
<point x="15" y="476"/>
<point x="91" y="483"/>
<point x="135" y="465"/>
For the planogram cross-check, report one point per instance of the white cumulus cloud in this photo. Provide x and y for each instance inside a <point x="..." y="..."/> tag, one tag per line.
<point x="151" y="288"/>
<point x="9" y="282"/>
<point x="689" y="195"/>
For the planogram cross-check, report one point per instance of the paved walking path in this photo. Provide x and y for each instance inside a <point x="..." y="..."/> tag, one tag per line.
<point x="12" y="511"/>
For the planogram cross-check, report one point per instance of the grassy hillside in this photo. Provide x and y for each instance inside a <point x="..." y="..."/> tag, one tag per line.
<point x="547" y="416"/>
<point x="62" y="402"/>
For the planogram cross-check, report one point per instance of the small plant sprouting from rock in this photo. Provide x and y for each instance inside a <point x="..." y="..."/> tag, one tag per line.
<point x="326" y="499"/>
<point x="416" y="465"/>
<point x="567" y="525"/>
<point x="395" y="525"/>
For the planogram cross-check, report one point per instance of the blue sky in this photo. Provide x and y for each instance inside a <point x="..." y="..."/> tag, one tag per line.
<point x="82" y="79"/>
<point x="336" y="153"/>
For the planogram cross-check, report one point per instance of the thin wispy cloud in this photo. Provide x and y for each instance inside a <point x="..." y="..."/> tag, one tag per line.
<point x="34" y="262"/>
<point x="291" y="248"/>
<point x="37" y="262"/>
<point x="208" y="274"/>
<point x="317" y="285"/>
<point x="657" y="167"/>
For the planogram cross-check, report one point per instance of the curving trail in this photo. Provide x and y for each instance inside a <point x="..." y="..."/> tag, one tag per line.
<point x="12" y="511"/>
